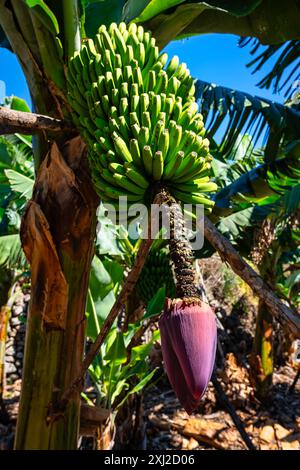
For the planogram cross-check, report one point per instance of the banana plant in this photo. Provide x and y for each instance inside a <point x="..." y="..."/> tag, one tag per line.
<point x="276" y="253"/>
<point x="61" y="216"/>
<point x="264" y="230"/>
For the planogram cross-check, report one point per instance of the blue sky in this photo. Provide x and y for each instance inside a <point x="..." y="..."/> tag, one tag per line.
<point x="215" y="58"/>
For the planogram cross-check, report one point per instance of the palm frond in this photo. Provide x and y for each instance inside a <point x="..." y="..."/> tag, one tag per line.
<point x="286" y="69"/>
<point x="233" y="113"/>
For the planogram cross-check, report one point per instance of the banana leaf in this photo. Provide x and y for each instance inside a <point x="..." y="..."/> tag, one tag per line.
<point x="257" y="18"/>
<point x="235" y="112"/>
<point x="101" y="12"/>
<point x="284" y="73"/>
<point x="11" y="253"/>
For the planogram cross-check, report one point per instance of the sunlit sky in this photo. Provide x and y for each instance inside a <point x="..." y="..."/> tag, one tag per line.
<point x="215" y="58"/>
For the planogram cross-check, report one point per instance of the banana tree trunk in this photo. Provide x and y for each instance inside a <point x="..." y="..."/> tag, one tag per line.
<point x="262" y="352"/>
<point x="57" y="234"/>
<point x="261" y="358"/>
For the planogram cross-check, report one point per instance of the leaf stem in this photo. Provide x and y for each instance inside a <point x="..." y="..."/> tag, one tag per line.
<point x="71" y="27"/>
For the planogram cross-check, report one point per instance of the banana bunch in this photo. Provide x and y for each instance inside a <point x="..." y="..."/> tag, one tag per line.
<point x="156" y="272"/>
<point x="138" y="116"/>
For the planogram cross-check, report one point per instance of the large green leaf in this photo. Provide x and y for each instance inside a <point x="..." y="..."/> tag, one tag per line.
<point x="291" y="200"/>
<point x="41" y="34"/>
<point x="257" y="184"/>
<point x="101" y="12"/>
<point x="144" y="10"/>
<point x="97" y="310"/>
<point x="234" y="225"/>
<point x="45" y="15"/>
<point x="139" y="386"/>
<point x="104" y="277"/>
<point x="156" y="304"/>
<point x="117" y="352"/>
<point x="100" y="280"/>
<point x="20" y="183"/>
<point x="11" y="253"/>
<point x="257" y="18"/>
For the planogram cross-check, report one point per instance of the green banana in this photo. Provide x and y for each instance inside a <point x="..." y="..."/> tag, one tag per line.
<point x="106" y="105"/>
<point x="158" y="165"/>
<point x="169" y="104"/>
<point x="129" y="56"/>
<point x="163" y="142"/>
<point x="123" y="127"/>
<point x="177" y="110"/>
<point x="133" y="119"/>
<point x="197" y="186"/>
<point x="137" y="178"/>
<point x="151" y="80"/>
<point x="115" y="193"/>
<point x="135" y="152"/>
<point x="138" y="115"/>
<point x="144" y="102"/>
<point x="128" y="75"/>
<point x="135" y="128"/>
<point x="108" y="177"/>
<point x="144" y="136"/>
<point x="134" y="89"/>
<point x="137" y="76"/>
<point x="146" y="120"/>
<point x="118" y="61"/>
<point x="173" y="65"/>
<point x="189" y="162"/>
<point x="147" y="159"/>
<point x="162" y="82"/>
<point x="103" y="141"/>
<point x="98" y="110"/>
<point x="124" y="107"/>
<point x="159" y="127"/>
<point x="124" y="90"/>
<point x="115" y="97"/>
<point x="175" y="139"/>
<point x="123" y="182"/>
<point x="121" y="148"/>
<point x="156" y="107"/>
<point x="141" y="54"/>
<point x="134" y="104"/>
<point x="201" y="170"/>
<point x="171" y="167"/>
<point x="140" y="33"/>
<point x="109" y="60"/>
<point x="191" y="198"/>
<point x="118" y="76"/>
<point x="120" y="43"/>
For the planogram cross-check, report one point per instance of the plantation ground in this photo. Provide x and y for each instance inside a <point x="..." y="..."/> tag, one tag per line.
<point x="274" y="425"/>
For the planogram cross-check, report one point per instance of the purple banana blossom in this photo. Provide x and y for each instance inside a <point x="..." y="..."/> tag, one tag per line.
<point x="188" y="340"/>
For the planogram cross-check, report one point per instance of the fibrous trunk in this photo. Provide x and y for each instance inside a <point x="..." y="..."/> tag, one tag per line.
<point x="57" y="234"/>
<point x="262" y="352"/>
